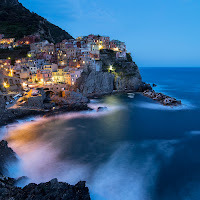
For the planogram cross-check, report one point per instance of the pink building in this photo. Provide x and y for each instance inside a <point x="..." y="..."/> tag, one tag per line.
<point x="44" y="75"/>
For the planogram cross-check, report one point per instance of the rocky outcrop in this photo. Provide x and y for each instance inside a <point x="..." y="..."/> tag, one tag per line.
<point x="120" y="75"/>
<point x="50" y="190"/>
<point x="6" y="155"/>
<point x="69" y="98"/>
<point x="161" y="98"/>
<point x="96" y="83"/>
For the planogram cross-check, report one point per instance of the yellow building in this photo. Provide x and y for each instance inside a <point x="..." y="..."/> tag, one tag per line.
<point x="7" y="40"/>
<point x="58" y="76"/>
<point x="34" y="78"/>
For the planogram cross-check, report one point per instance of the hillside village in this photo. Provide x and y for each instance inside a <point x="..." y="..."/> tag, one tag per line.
<point x="52" y="67"/>
<point x="63" y="62"/>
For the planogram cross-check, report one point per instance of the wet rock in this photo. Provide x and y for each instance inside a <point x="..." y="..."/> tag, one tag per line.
<point x="161" y="98"/>
<point x="101" y="109"/>
<point x="49" y="190"/>
<point x="52" y="190"/>
<point x="6" y="155"/>
<point x="144" y="87"/>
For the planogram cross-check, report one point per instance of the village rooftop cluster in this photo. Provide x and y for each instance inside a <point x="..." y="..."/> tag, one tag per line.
<point x="48" y="64"/>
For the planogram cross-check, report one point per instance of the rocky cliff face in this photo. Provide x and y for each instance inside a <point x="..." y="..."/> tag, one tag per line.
<point x="96" y="83"/>
<point x="124" y="76"/>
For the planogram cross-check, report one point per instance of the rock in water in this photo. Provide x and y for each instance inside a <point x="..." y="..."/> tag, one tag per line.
<point x="101" y="109"/>
<point x="154" y="85"/>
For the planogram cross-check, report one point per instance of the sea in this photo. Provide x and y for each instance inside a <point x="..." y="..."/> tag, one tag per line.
<point x="136" y="149"/>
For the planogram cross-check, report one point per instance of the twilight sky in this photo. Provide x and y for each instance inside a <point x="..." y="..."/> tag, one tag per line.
<point x="157" y="32"/>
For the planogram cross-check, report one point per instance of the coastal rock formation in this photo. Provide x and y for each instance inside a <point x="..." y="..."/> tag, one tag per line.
<point x="50" y="190"/>
<point x="126" y="72"/>
<point x="96" y="83"/>
<point x="6" y="155"/>
<point x="120" y="75"/>
<point x="161" y="98"/>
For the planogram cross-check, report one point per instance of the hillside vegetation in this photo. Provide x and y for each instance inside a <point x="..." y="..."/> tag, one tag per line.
<point x="16" y="21"/>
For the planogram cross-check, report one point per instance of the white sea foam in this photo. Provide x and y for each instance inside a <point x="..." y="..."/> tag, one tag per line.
<point x="125" y="175"/>
<point x="194" y="132"/>
<point x="129" y="175"/>
<point x="157" y="106"/>
<point x="131" y="95"/>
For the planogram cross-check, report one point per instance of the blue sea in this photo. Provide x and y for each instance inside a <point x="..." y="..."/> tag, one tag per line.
<point x="135" y="150"/>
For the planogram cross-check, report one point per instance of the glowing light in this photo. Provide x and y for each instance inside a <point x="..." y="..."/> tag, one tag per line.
<point x="24" y="84"/>
<point x="11" y="73"/>
<point x="9" y="58"/>
<point x="111" y="68"/>
<point x="116" y="49"/>
<point x="29" y="55"/>
<point x="100" y="47"/>
<point x="6" y="85"/>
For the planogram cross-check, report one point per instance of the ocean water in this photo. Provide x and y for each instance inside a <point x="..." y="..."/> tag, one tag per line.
<point x="135" y="150"/>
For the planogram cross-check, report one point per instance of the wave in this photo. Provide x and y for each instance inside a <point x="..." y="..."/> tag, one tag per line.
<point x="193" y="133"/>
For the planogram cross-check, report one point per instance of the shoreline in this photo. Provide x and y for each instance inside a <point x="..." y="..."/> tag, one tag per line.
<point x="12" y="115"/>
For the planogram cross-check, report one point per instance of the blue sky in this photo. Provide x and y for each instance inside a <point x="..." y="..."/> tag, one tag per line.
<point x="157" y="32"/>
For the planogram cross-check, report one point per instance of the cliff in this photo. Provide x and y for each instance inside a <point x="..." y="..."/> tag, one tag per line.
<point x="123" y="76"/>
<point x="96" y="83"/>
<point x="50" y="190"/>
<point x="17" y="21"/>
